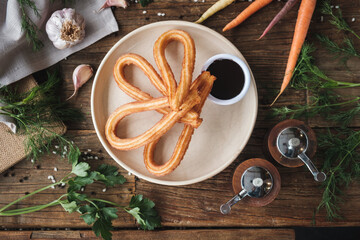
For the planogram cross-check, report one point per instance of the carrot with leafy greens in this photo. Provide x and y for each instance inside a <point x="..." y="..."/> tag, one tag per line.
<point x="306" y="11"/>
<point x="250" y="10"/>
<point x="289" y="4"/>
<point x="219" y="5"/>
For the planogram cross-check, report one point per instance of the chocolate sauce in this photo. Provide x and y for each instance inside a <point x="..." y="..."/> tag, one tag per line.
<point x="229" y="79"/>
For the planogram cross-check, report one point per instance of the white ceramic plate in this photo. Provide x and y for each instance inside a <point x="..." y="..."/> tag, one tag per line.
<point x="214" y="145"/>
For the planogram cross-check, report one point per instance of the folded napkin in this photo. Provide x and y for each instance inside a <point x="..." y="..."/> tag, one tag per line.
<point x="17" y="60"/>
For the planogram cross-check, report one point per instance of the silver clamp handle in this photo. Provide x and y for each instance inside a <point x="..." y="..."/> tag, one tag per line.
<point x="226" y="208"/>
<point x="318" y="176"/>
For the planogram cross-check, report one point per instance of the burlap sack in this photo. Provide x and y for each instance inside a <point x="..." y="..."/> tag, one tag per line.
<point x="12" y="148"/>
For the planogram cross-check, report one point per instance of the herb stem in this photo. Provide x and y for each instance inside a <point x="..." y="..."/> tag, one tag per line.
<point x="29" y="195"/>
<point x="30" y="209"/>
<point x="92" y="203"/>
<point x="329" y="105"/>
<point x="355" y="34"/>
<point x="339" y="84"/>
<point x="35" y="192"/>
<point x="108" y="202"/>
<point x="347" y="154"/>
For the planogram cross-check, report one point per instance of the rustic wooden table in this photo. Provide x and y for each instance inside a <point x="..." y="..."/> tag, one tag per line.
<point x="193" y="211"/>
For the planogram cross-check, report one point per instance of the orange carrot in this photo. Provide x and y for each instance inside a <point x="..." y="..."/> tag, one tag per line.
<point x="250" y="10"/>
<point x="306" y="11"/>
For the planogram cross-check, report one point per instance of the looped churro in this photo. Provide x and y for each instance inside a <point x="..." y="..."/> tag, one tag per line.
<point x="204" y="84"/>
<point x="176" y="94"/>
<point x="190" y="117"/>
<point x="182" y="103"/>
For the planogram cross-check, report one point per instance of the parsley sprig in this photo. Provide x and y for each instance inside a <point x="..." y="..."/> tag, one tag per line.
<point x="94" y="211"/>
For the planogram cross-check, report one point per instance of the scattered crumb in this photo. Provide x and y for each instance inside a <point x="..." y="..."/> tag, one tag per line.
<point x="55" y="169"/>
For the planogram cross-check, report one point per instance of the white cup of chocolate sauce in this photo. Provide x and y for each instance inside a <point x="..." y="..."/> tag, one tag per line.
<point x="233" y="78"/>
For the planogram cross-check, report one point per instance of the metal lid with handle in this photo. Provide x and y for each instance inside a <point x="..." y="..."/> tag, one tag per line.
<point x="256" y="181"/>
<point x="292" y="143"/>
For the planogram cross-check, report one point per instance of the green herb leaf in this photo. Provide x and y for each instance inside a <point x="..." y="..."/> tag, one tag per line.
<point x="323" y="101"/>
<point x="89" y="214"/>
<point x="28" y="26"/>
<point x="143" y="211"/>
<point x="109" y="213"/>
<point x="74" y="196"/>
<point x="89" y="218"/>
<point x="336" y="18"/>
<point x="101" y="216"/>
<point x="87" y="209"/>
<point x="102" y="227"/>
<point x="144" y="3"/>
<point x="341" y="163"/>
<point x="109" y="175"/>
<point x="80" y="169"/>
<point x="69" y="206"/>
<point x="37" y="113"/>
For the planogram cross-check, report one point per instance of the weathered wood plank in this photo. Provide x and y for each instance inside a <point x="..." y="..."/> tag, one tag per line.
<point x="193" y="205"/>
<point x="226" y="234"/>
<point x="197" y="205"/>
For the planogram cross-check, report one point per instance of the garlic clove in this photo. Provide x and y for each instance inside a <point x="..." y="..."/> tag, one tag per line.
<point x="81" y="75"/>
<point x="117" y="3"/>
<point x="59" y="44"/>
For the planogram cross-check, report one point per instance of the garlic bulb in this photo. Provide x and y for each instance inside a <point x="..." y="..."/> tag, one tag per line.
<point x="65" y="28"/>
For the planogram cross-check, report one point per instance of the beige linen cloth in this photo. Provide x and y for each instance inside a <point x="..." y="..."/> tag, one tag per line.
<point x="18" y="60"/>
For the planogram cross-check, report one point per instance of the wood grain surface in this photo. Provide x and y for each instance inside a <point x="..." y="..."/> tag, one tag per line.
<point x="197" y="206"/>
<point x="225" y="234"/>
